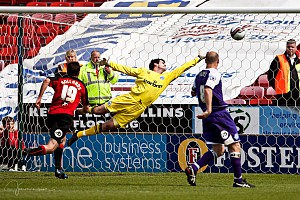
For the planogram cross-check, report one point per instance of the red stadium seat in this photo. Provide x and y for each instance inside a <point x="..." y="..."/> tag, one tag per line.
<point x="236" y="101"/>
<point x="82" y="4"/>
<point x="35" y="3"/>
<point x="45" y="31"/>
<point x="252" y="92"/>
<point x="13" y="20"/>
<point x="9" y="53"/>
<point x="8" y="40"/>
<point x="60" y="4"/>
<point x="7" y="2"/>
<point x="31" y="41"/>
<point x="22" y="2"/>
<point x="27" y="30"/>
<point x="50" y="38"/>
<point x="5" y="29"/>
<point x="65" y="21"/>
<point x="41" y="19"/>
<point x="263" y="81"/>
<point x="32" y="52"/>
<point x="260" y="101"/>
<point x="270" y="93"/>
<point x="97" y="2"/>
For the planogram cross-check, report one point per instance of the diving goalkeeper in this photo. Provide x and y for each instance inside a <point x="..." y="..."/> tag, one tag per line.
<point x="149" y="84"/>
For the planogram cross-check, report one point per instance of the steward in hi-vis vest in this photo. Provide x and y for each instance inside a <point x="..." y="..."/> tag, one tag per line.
<point x="97" y="80"/>
<point x="284" y="74"/>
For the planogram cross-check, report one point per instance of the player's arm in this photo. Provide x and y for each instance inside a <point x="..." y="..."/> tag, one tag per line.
<point x="178" y="71"/>
<point x="121" y="68"/>
<point x="208" y="94"/>
<point x="43" y="88"/>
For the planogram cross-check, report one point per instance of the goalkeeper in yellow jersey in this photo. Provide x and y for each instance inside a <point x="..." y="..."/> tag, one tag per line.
<point x="149" y="84"/>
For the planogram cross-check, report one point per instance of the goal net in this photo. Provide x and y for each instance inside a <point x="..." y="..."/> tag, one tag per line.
<point x="167" y="136"/>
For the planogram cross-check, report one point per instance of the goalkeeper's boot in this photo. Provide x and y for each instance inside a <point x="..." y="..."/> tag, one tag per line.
<point x="191" y="176"/>
<point x="73" y="139"/>
<point x="60" y="174"/>
<point x="244" y="184"/>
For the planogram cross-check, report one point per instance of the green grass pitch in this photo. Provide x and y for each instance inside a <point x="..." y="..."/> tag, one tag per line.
<point x="144" y="186"/>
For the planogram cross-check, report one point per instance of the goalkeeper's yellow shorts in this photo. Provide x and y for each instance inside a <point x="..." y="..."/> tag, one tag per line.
<point x="125" y="109"/>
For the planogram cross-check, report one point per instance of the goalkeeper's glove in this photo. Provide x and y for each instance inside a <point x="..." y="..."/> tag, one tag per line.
<point x="104" y="62"/>
<point x="201" y="55"/>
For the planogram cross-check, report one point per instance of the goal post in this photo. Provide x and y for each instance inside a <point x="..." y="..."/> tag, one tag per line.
<point x="167" y="136"/>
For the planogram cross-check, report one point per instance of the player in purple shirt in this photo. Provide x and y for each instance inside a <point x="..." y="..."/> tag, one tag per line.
<point x="219" y="129"/>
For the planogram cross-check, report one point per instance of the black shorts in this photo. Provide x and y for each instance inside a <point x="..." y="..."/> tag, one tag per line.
<point x="59" y="125"/>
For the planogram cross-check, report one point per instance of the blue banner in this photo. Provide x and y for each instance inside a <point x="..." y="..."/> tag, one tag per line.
<point x="107" y="153"/>
<point x="279" y="120"/>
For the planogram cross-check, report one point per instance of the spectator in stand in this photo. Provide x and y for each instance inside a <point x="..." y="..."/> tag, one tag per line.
<point x="10" y="145"/>
<point x="283" y="76"/>
<point x="97" y="80"/>
<point x="71" y="56"/>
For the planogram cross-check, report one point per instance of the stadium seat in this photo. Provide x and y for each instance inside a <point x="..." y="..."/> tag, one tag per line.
<point x="35" y="3"/>
<point x="8" y="40"/>
<point x="41" y="19"/>
<point x="82" y="4"/>
<point x="13" y="20"/>
<point x="60" y="4"/>
<point x="32" y="52"/>
<point x="45" y="31"/>
<point x="27" y="30"/>
<point x="8" y="54"/>
<point x="7" y="2"/>
<point x="252" y="92"/>
<point x="22" y="2"/>
<point x="236" y="101"/>
<point x="49" y="39"/>
<point x="31" y="41"/>
<point x="97" y="2"/>
<point x="263" y="81"/>
<point x="5" y="29"/>
<point x="65" y="21"/>
<point x="270" y="93"/>
<point x="260" y="101"/>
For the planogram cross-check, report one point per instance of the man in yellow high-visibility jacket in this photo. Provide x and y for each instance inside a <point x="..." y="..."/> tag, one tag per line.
<point x="284" y="74"/>
<point x="97" y="80"/>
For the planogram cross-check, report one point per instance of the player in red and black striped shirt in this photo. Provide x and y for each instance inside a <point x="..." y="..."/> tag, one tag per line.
<point x="69" y="91"/>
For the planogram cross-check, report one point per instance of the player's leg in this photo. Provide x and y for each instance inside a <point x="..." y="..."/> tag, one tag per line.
<point x="207" y="158"/>
<point x="97" y="129"/>
<point x="42" y="149"/>
<point x="59" y="173"/>
<point x="235" y="159"/>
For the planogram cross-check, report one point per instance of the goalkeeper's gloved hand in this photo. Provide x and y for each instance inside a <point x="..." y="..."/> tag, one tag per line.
<point x="104" y="62"/>
<point x="201" y="54"/>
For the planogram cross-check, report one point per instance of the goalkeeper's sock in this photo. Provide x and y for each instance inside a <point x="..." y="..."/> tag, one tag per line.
<point x="57" y="156"/>
<point x="91" y="131"/>
<point x="41" y="150"/>
<point x="204" y="160"/>
<point x="235" y="159"/>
